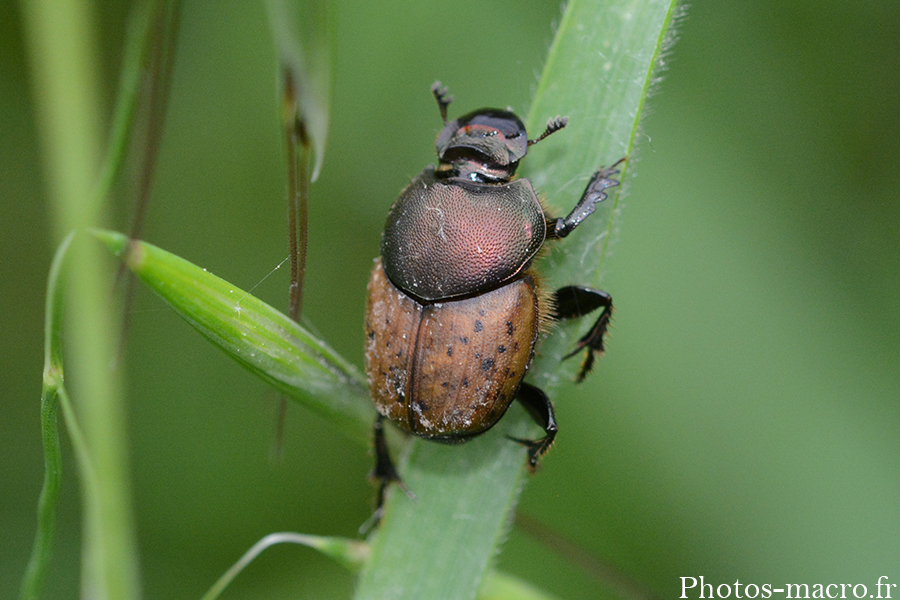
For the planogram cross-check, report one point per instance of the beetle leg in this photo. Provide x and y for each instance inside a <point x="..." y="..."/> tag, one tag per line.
<point x="576" y="301"/>
<point x="593" y="194"/>
<point x="442" y="94"/>
<point x="540" y="408"/>
<point x="384" y="473"/>
<point x="553" y="125"/>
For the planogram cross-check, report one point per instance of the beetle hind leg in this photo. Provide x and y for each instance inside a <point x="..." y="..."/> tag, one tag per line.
<point x="383" y="474"/>
<point x="540" y="408"/>
<point x="576" y="301"/>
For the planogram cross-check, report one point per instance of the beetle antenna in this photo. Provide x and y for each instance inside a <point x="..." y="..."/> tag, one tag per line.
<point x="553" y="125"/>
<point x="443" y="97"/>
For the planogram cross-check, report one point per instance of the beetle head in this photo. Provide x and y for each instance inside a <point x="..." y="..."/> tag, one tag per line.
<point x="485" y="145"/>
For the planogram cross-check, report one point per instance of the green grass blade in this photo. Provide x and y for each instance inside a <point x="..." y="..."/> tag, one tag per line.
<point x="349" y="553"/>
<point x="439" y="544"/>
<point x="600" y="67"/>
<point x="54" y="396"/>
<point x="137" y="48"/>
<point x="599" y="71"/>
<point x="61" y="43"/>
<point x="36" y="571"/>
<point x="260" y="338"/>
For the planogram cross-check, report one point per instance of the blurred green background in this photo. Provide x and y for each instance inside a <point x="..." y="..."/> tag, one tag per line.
<point x="743" y="424"/>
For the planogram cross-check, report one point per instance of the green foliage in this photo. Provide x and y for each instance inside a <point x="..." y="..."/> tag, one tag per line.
<point x="350" y="553"/>
<point x="260" y="338"/>
<point x="36" y="572"/>
<point x="61" y="40"/>
<point x="742" y="424"/>
<point x="463" y="496"/>
<point x="466" y="494"/>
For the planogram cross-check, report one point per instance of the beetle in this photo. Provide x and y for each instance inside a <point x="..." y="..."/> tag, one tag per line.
<point x="454" y="305"/>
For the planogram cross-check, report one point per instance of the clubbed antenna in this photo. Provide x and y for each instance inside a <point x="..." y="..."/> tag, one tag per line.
<point x="443" y="97"/>
<point x="553" y="125"/>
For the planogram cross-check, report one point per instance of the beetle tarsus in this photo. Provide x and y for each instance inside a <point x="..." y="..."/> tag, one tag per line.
<point x="574" y="301"/>
<point x="540" y="408"/>
<point x="553" y="125"/>
<point x="442" y="95"/>
<point x="593" y="194"/>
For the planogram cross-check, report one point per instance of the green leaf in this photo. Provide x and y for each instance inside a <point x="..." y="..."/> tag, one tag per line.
<point x="598" y="72"/>
<point x="439" y="544"/>
<point x="260" y="338"/>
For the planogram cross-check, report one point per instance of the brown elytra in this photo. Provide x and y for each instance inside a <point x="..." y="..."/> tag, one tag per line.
<point x="448" y="370"/>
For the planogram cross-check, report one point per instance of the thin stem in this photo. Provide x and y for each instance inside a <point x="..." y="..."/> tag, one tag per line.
<point x="297" y="151"/>
<point x="157" y="57"/>
<point x="62" y="42"/>
<point x="160" y="66"/>
<point x="297" y="156"/>
<point x="350" y="553"/>
<point x="36" y="571"/>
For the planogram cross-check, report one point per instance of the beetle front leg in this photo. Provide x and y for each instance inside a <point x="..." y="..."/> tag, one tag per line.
<point x="442" y="94"/>
<point x="576" y="301"/>
<point x="593" y="194"/>
<point x="540" y="408"/>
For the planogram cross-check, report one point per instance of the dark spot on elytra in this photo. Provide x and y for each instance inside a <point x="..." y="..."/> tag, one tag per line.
<point x="501" y="349"/>
<point x="509" y="328"/>
<point x="478" y="326"/>
<point x="371" y="335"/>
<point x="445" y="384"/>
<point x="487" y="364"/>
<point x="481" y="312"/>
<point x="400" y="353"/>
<point x="421" y="405"/>
<point x="449" y="350"/>
<point x="465" y="382"/>
<point x="464" y="340"/>
<point x="387" y="344"/>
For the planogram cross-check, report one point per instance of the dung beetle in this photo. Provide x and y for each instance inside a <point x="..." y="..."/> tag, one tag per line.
<point x="454" y="307"/>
